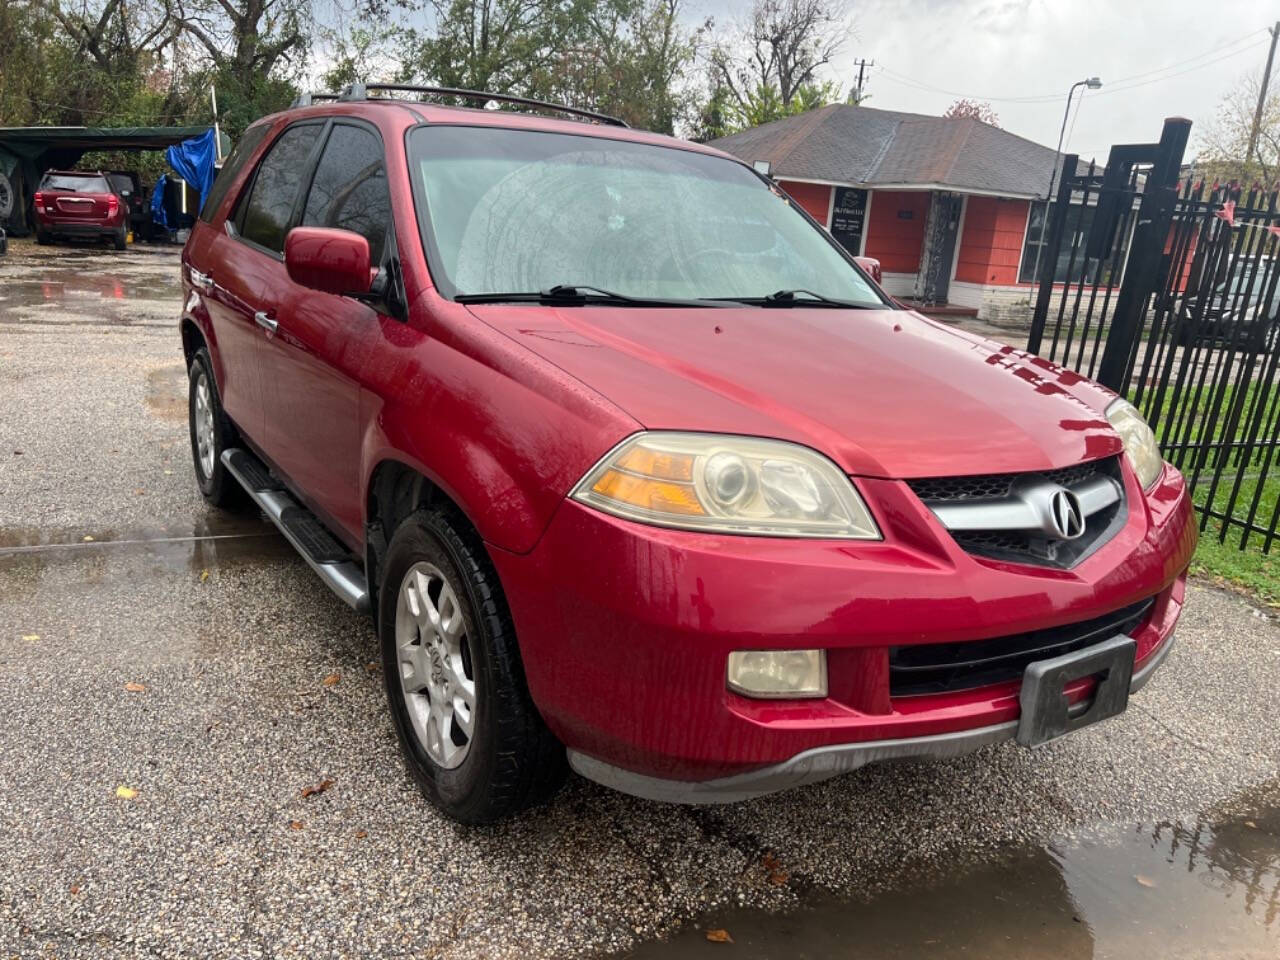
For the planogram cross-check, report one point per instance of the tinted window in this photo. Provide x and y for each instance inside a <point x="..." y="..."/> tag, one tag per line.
<point x="120" y="182"/>
<point x="350" y="188"/>
<point x="74" y="183"/>
<point x="266" y="216"/>
<point x="244" y="149"/>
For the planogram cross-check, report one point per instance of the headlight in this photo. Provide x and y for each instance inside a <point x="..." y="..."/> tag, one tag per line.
<point x="1139" y="442"/>
<point x="725" y="484"/>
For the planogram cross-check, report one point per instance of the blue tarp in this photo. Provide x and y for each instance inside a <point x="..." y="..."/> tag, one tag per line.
<point x="193" y="159"/>
<point x="157" y="201"/>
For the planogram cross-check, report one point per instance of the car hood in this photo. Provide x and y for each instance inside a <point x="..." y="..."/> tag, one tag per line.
<point x="885" y="393"/>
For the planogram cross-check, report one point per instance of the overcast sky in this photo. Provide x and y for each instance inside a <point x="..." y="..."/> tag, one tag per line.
<point x="1172" y="58"/>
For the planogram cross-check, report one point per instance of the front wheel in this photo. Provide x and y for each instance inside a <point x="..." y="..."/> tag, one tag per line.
<point x="120" y="238"/>
<point x="471" y="737"/>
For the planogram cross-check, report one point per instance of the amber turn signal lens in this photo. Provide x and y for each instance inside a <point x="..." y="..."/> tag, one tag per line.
<point x="648" y="494"/>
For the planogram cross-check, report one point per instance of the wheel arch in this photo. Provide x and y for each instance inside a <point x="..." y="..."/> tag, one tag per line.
<point x="394" y="491"/>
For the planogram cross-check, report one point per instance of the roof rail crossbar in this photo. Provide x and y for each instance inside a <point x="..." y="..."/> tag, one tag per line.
<point x="305" y="99"/>
<point x="361" y="91"/>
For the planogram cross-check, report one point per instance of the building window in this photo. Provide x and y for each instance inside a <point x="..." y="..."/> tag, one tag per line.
<point x="1075" y="241"/>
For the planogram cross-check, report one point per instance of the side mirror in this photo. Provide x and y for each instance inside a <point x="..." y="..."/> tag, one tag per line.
<point x="332" y="261"/>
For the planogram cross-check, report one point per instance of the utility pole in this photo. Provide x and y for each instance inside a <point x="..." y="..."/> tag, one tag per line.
<point x="1262" y="96"/>
<point x="863" y="64"/>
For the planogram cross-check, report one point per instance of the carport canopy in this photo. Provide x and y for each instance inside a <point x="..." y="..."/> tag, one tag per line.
<point x="26" y="152"/>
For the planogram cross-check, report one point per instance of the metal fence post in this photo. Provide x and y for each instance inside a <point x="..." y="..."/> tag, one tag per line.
<point x="1155" y="214"/>
<point x="1049" y="247"/>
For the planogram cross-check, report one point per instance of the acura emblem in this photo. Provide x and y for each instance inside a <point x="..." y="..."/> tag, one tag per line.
<point x="1065" y="514"/>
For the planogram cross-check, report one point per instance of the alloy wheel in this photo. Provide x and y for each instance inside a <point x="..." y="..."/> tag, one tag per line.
<point x="205" y="441"/>
<point x="436" y="669"/>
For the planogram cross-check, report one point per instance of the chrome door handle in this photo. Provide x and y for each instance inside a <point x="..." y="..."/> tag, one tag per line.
<point x="201" y="280"/>
<point x="266" y="322"/>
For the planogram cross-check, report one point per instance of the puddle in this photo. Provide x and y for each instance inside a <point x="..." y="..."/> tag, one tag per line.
<point x="1197" y="888"/>
<point x="222" y="542"/>
<point x="167" y="392"/>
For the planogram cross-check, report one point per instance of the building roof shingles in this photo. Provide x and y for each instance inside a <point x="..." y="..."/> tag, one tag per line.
<point x="861" y="145"/>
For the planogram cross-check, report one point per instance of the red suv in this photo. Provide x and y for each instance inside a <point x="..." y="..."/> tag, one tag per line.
<point x="631" y="463"/>
<point x="80" y="204"/>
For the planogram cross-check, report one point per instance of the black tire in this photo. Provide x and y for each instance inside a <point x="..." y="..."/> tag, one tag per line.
<point x="120" y="238"/>
<point x="512" y="761"/>
<point x="43" y="238"/>
<point x="216" y="484"/>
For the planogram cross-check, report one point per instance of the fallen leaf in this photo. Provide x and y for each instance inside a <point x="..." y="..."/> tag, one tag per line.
<point x="332" y="680"/>
<point x="134" y="687"/>
<point x="371" y="666"/>
<point x="17" y="453"/>
<point x="204" y="575"/>
<point x="88" y="539"/>
<point x="168" y="473"/>
<point x="126" y="793"/>
<point x="1145" y="881"/>
<point x="75" y="888"/>
<point x="320" y="787"/>
<point x="31" y="637"/>
<point x="719" y="936"/>
<point x="139" y="492"/>
<point x="773" y="867"/>
<point x="361" y="834"/>
<point x="295" y="824"/>
<point x="1251" y="825"/>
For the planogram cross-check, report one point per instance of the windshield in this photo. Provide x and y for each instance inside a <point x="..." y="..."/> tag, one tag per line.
<point x="75" y="183"/>
<point x="515" y="211"/>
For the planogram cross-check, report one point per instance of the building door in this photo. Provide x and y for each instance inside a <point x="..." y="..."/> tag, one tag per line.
<point x="940" y="246"/>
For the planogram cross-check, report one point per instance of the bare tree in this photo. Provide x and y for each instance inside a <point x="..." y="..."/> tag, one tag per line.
<point x="247" y="37"/>
<point x="783" y="45"/>
<point x="1224" y="141"/>
<point x="115" y="33"/>
<point x="974" y="109"/>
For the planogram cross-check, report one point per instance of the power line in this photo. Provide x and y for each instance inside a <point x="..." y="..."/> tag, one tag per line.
<point x="1112" y="87"/>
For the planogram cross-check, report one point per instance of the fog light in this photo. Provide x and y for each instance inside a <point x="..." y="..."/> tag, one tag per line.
<point x="778" y="673"/>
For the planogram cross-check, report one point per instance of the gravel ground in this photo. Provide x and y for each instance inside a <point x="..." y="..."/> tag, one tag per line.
<point x="232" y="640"/>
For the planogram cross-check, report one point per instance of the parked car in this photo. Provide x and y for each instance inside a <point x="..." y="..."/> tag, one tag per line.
<point x="631" y="462"/>
<point x="1243" y="309"/>
<point x="79" y="204"/>
<point x="128" y="186"/>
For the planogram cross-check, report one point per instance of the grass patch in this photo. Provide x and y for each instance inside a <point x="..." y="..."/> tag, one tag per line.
<point x="1249" y="569"/>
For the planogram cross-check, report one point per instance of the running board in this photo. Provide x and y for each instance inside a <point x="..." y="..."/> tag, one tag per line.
<point x="322" y="551"/>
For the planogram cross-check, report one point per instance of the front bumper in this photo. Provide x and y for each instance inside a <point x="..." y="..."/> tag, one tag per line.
<point x="625" y="630"/>
<point x="821" y="763"/>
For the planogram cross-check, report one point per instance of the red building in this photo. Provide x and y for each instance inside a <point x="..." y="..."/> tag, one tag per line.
<point x="951" y="207"/>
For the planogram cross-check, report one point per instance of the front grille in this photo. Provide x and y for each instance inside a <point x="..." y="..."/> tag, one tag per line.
<point x="947" y="667"/>
<point x="1027" y="546"/>
<point x="993" y="486"/>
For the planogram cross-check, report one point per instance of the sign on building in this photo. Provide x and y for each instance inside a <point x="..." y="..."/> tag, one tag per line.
<point x="848" y="217"/>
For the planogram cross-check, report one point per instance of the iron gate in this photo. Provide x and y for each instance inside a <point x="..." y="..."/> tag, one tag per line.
<point x="1169" y="293"/>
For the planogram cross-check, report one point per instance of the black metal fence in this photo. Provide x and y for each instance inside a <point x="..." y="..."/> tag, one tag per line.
<point x="1170" y="295"/>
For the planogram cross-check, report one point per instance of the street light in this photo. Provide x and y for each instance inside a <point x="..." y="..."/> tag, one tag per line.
<point x="1093" y="83"/>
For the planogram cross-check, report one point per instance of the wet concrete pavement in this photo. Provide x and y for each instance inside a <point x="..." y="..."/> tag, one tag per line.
<point x="112" y="572"/>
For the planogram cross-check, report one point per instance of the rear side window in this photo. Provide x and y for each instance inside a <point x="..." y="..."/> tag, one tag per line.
<point x="275" y="188"/>
<point x="243" y="151"/>
<point x="350" y="188"/>
<point x="75" y="184"/>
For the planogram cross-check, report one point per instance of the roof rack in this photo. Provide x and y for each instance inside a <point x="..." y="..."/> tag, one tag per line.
<point x="307" y="99"/>
<point x="361" y="91"/>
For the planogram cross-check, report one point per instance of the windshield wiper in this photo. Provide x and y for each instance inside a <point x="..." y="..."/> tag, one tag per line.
<point x="577" y="294"/>
<point x="799" y="297"/>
